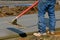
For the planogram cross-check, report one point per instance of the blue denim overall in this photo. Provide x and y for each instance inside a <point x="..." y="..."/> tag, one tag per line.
<point x="48" y="5"/>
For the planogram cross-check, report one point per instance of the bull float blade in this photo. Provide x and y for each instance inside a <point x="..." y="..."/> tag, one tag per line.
<point x="14" y="21"/>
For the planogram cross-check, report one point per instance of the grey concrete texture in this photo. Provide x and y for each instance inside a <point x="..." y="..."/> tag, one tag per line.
<point x="14" y="3"/>
<point x="26" y="24"/>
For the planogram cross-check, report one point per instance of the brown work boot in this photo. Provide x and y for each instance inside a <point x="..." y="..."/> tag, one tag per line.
<point x="38" y="34"/>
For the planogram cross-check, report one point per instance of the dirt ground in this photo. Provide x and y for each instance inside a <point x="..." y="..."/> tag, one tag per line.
<point x="31" y="37"/>
<point x="7" y="11"/>
<point x="13" y="11"/>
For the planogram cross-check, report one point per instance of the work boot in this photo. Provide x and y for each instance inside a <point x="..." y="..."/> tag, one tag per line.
<point x="38" y="34"/>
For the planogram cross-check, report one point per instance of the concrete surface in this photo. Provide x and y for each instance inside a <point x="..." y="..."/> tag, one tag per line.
<point x="27" y="24"/>
<point x="14" y="3"/>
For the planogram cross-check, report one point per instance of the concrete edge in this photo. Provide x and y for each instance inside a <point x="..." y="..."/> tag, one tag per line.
<point x="30" y="33"/>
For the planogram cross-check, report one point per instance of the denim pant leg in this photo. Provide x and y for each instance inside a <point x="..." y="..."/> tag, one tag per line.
<point x="52" y="20"/>
<point x="41" y="20"/>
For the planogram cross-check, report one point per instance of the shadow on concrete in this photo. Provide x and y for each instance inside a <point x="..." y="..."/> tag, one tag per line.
<point x="47" y="19"/>
<point x="57" y="19"/>
<point x="21" y="33"/>
<point x="46" y="22"/>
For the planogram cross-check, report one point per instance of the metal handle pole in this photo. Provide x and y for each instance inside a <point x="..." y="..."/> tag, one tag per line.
<point x="23" y="12"/>
<point x="14" y="21"/>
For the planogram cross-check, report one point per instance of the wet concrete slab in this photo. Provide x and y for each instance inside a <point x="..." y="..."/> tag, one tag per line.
<point x="27" y="24"/>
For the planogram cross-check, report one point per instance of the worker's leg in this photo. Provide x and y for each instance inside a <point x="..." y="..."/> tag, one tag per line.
<point x="52" y="20"/>
<point x="41" y="20"/>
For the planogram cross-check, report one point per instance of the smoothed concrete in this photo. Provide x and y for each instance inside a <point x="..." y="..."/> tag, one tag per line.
<point x="27" y="24"/>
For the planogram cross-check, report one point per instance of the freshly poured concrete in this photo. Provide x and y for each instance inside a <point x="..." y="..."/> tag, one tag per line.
<point x="27" y="24"/>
